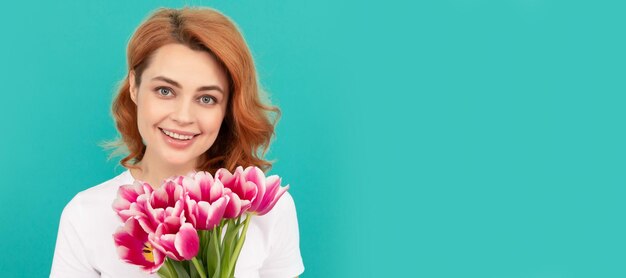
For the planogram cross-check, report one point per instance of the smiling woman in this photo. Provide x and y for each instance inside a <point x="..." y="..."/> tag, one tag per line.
<point x="190" y="102"/>
<point x="180" y="109"/>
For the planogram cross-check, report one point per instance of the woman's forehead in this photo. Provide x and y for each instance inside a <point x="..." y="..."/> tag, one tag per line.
<point x="186" y="66"/>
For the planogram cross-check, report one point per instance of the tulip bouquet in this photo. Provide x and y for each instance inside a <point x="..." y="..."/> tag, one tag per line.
<point x="193" y="225"/>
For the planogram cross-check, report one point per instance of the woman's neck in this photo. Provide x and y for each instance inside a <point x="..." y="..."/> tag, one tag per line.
<point x="154" y="171"/>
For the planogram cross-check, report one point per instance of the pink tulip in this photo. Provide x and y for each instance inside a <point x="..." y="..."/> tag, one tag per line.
<point x="168" y="195"/>
<point x="133" y="247"/>
<point x="202" y="186"/>
<point x="176" y="238"/>
<point x="165" y="223"/>
<point x="241" y="196"/>
<point x="254" y="177"/>
<point x="125" y="205"/>
<point x="273" y="192"/>
<point x="236" y="206"/>
<point x="251" y="185"/>
<point x="167" y="200"/>
<point x="205" y="201"/>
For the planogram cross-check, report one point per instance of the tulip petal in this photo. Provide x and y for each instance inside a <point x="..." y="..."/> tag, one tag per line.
<point x="133" y="247"/>
<point x="217" y="212"/>
<point x="233" y="208"/>
<point x="127" y="195"/>
<point x="225" y="177"/>
<point x="255" y="175"/>
<point x="215" y="192"/>
<point x="193" y="188"/>
<point x="271" y="201"/>
<point x="159" y="198"/>
<point x="187" y="241"/>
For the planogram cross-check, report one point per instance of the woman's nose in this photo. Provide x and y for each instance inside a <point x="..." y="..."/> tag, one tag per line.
<point x="182" y="113"/>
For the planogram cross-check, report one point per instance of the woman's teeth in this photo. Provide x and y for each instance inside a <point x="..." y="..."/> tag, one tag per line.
<point x="176" y="135"/>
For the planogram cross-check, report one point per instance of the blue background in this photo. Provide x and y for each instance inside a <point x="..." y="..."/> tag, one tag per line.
<point x="451" y="138"/>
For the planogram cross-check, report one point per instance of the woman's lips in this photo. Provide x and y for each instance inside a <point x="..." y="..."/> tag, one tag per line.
<point x="177" y="143"/>
<point x="187" y="133"/>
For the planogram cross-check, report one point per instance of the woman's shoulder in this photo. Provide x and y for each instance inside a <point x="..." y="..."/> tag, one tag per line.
<point x="285" y="203"/>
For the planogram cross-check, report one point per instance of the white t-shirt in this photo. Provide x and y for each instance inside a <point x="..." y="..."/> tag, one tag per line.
<point x="85" y="246"/>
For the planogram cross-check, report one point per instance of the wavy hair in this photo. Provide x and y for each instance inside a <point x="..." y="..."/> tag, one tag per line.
<point x="249" y="123"/>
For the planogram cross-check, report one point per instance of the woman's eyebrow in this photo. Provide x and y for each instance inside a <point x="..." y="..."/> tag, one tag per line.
<point x="211" y="88"/>
<point x="177" y="85"/>
<point x="167" y="80"/>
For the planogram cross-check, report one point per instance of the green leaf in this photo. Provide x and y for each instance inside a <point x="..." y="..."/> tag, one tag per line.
<point x="211" y="256"/>
<point x="170" y="268"/>
<point x="232" y="233"/>
<point x="237" y="250"/>
<point x="164" y="271"/>
<point x="202" y="243"/>
<point x="193" y="272"/>
<point x="217" y="253"/>
<point x="198" y="266"/>
<point x="181" y="272"/>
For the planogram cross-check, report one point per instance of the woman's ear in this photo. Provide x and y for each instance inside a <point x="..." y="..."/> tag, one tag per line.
<point x="132" y="86"/>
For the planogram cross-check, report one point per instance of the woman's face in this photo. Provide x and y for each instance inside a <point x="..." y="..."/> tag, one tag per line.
<point x="182" y="95"/>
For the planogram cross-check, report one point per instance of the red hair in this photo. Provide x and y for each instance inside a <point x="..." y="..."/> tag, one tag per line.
<point x="247" y="128"/>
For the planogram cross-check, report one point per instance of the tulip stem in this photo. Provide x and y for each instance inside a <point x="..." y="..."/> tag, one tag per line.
<point x="240" y="241"/>
<point x="199" y="267"/>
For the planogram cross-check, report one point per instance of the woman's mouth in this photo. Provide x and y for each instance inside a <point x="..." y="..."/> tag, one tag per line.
<point x="177" y="141"/>
<point x="177" y="136"/>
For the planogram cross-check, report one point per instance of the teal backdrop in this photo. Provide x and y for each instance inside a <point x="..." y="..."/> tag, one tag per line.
<point x="451" y="138"/>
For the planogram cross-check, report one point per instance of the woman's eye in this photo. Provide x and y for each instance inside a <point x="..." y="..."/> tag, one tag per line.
<point x="207" y="99"/>
<point x="164" y="91"/>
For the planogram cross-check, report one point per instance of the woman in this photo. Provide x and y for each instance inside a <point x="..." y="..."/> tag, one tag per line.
<point x="190" y="102"/>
